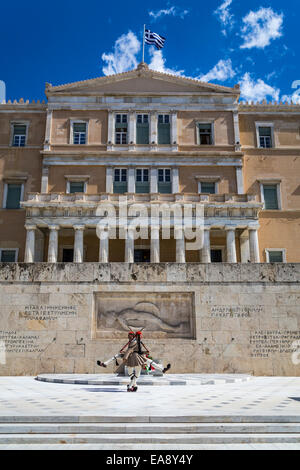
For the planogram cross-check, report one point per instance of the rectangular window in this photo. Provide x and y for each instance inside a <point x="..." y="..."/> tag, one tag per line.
<point x="142" y="184"/>
<point x="120" y="180"/>
<point x="142" y="129"/>
<point x="8" y="256"/>
<point x="121" y="129"/>
<point x="79" y="133"/>
<point x="19" y="135"/>
<point x="205" y="134"/>
<point x="76" y="187"/>
<point x="270" y="196"/>
<point x="275" y="256"/>
<point x="265" y="137"/>
<point x="164" y="181"/>
<point x="13" y="196"/>
<point x="164" y="136"/>
<point x="208" y="188"/>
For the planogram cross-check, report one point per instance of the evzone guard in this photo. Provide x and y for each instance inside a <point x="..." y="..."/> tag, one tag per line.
<point x="134" y="357"/>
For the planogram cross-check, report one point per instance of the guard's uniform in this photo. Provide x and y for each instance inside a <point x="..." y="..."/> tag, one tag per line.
<point x="134" y="358"/>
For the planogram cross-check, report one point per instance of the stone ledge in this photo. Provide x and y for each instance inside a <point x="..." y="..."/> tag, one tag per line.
<point x="170" y="379"/>
<point x="154" y="273"/>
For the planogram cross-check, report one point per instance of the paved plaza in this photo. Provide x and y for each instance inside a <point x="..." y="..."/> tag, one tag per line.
<point x="259" y="400"/>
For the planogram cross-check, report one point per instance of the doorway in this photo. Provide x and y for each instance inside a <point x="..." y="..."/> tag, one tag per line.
<point x="216" y="256"/>
<point x="142" y="256"/>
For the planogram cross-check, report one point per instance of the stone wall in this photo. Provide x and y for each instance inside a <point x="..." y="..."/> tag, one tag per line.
<point x="61" y="318"/>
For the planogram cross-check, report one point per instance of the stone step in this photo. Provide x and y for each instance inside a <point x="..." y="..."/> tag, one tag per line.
<point x="118" y="439"/>
<point x="152" y="447"/>
<point x="150" y="419"/>
<point x="149" y="428"/>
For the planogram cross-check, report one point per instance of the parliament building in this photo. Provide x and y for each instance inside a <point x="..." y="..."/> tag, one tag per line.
<point x="154" y="139"/>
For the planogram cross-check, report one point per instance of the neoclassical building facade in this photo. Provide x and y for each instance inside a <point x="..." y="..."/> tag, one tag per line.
<point x="151" y="140"/>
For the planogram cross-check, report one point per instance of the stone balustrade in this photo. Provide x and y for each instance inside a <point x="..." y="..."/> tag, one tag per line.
<point x="37" y="199"/>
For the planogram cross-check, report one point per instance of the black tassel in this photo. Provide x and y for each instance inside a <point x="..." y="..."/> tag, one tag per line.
<point x="117" y="363"/>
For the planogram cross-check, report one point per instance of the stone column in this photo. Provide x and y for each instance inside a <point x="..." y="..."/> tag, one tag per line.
<point x="155" y="245"/>
<point x="231" y="247"/>
<point x="111" y="128"/>
<point x="131" y="180"/>
<point x="153" y="180"/>
<point x="153" y="128"/>
<point x="236" y="128"/>
<point x="132" y="129"/>
<point x="245" y="248"/>
<point x="45" y="178"/>
<point x="205" y="252"/>
<point x="239" y="180"/>
<point x="78" y="243"/>
<point x="175" y="180"/>
<point x="47" y="144"/>
<point x="53" y="243"/>
<point x="30" y="243"/>
<point x="180" y="246"/>
<point x="104" y="246"/>
<point x="129" y="246"/>
<point x="254" y="247"/>
<point x="173" y="128"/>
<point x="109" y="179"/>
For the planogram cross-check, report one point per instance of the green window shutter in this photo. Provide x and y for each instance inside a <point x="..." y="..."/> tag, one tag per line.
<point x="13" y="196"/>
<point x="270" y="196"/>
<point x="164" y="134"/>
<point x="265" y="132"/>
<point x="79" y="127"/>
<point x="76" y="187"/>
<point x="165" y="188"/>
<point x="142" y="187"/>
<point x="275" y="257"/>
<point x="121" y="125"/>
<point x="8" y="256"/>
<point x="208" y="188"/>
<point x="19" y="129"/>
<point x="142" y="133"/>
<point x="120" y="187"/>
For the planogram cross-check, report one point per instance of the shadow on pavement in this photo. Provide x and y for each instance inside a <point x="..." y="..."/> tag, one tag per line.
<point x="104" y="390"/>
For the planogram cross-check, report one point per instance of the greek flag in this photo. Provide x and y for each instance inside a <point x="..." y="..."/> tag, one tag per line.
<point x="154" y="38"/>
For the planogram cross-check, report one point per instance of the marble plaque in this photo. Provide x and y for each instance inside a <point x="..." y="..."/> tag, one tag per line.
<point x="160" y="314"/>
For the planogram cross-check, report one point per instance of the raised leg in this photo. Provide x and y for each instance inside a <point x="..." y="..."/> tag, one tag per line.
<point x="157" y="366"/>
<point x="105" y="364"/>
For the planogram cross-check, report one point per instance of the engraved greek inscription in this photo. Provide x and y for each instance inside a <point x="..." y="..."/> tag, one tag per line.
<point x="266" y="342"/>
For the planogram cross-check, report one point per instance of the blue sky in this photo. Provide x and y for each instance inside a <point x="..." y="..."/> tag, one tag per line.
<point x="253" y="43"/>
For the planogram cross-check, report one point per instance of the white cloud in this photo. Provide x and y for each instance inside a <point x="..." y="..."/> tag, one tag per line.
<point x="124" y="57"/>
<point x="221" y="71"/>
<point x="2" y="91"/>
<point x="158" y="63"/>
<point x="258" y="90"/>
<point x="225" y="16"/>
<point x="294" y="97"/>
<point x="174" y="11"/>
<point x="260" y="28"/>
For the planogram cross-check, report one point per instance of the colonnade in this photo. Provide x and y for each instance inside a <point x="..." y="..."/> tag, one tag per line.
<point x="205" y="252"/>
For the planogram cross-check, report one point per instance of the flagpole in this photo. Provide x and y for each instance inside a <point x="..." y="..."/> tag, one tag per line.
<point x="144" y="44"/>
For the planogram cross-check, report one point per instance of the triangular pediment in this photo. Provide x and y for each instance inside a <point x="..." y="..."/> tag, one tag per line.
<point x="141" y="80"/>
